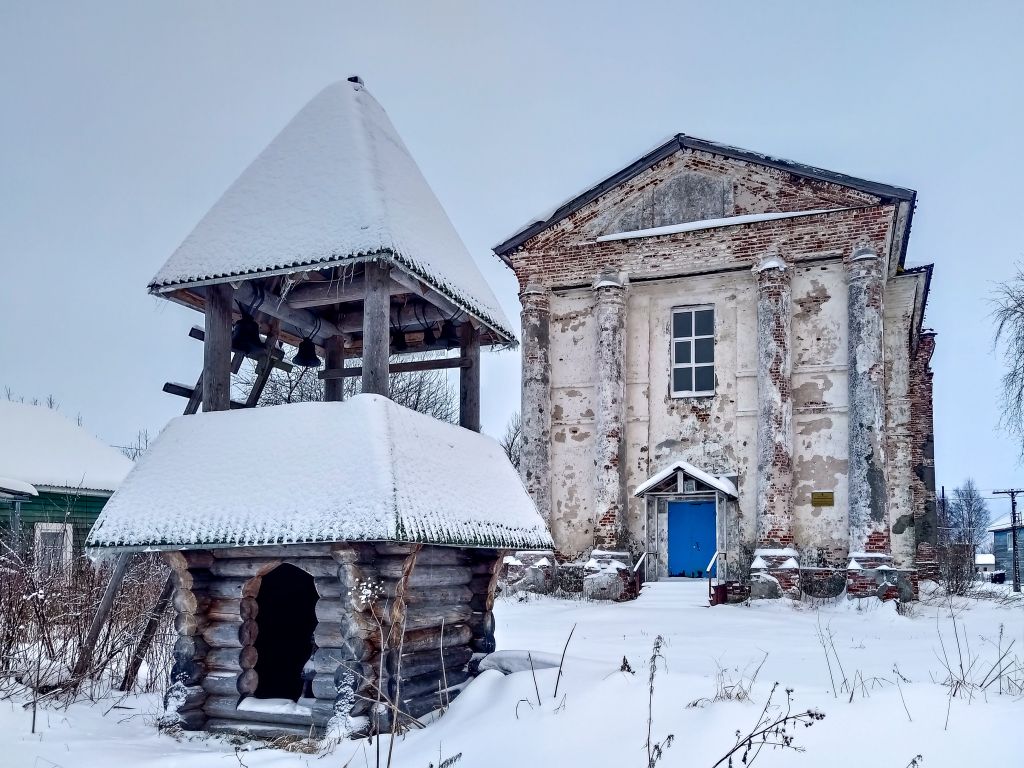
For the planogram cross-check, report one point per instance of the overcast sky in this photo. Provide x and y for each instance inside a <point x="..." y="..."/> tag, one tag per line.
<point x="122" y="122"/>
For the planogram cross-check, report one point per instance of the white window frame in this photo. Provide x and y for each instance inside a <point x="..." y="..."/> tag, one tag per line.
<point x="68" y="542"/>
<point x="692" y="338"/>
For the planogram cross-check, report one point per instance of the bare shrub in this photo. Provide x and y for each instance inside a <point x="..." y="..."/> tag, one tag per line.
<point x="775" y="728"/>
<point x="45" y="615"/>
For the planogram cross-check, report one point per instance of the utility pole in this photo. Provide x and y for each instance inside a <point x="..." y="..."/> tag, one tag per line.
<point x="1014" y="522"/>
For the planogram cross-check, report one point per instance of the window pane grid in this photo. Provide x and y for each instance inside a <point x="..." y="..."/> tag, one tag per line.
<point x="693" y="351"/>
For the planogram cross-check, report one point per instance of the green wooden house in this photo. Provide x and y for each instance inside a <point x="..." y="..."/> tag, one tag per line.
<point x="55" y="478"/>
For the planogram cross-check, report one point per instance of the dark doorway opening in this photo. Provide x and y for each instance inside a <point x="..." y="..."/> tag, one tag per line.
<point x="284" y="643"/>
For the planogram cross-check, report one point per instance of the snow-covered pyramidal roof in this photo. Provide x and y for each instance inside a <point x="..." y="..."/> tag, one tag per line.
<point x="46" y="449"/>
<point x="336" y="186"/>
<point x="365" y="469"/>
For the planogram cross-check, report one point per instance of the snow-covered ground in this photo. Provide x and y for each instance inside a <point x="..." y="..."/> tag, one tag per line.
<point x="599" y="717"/>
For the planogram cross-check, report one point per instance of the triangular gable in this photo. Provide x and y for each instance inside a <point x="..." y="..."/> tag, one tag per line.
<point x="669" y="473"/>
<point x="706" y="196"/>
<point x="336" y="186"/>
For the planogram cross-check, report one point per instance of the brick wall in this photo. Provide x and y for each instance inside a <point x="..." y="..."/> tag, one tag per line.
<point x="923" y="458"/>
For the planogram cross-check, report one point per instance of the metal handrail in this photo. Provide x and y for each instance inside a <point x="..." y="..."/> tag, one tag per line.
<point x="718" y="578"/>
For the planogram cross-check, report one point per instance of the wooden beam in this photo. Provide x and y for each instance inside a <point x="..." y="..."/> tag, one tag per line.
<point x="412" y="367"/>
<point x="469" y="379"/>
<point x="444" y="306"/>
<point x="184" y="390"/>
<point x="217" y="349"/>
<point x="326" y="292"/>
<point x="335" y="360"/>
<point x="301" y="319"/>
<point x="376" y="328"/>
<point x="276" y="354"/>
<point x="84" y="661"/>
<point x="265" y="366"/>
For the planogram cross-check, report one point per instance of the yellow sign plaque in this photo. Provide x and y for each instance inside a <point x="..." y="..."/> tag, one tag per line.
<point x="823" y="498"/>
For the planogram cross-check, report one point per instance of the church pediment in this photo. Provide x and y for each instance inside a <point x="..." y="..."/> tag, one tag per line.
<point x="687" y="180"/>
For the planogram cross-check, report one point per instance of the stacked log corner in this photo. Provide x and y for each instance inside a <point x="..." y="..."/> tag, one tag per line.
<point x="412" y="646"/>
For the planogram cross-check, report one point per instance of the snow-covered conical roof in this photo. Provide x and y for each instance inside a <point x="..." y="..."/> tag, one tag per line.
<point x="336" y="186"/>
<point x="365" y="469"/>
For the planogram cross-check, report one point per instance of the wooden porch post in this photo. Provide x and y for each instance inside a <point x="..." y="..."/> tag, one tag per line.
<point x="217" y="348"/>
<point x="469" y="379"/>
<point x="376" y="328"/>
<point x="335" y="354"/>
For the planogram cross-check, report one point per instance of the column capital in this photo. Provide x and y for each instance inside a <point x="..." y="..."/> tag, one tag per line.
<point x="610" y="278"/>
<point x="863" y="251"/>
<point x="770" y="261"/>
<point x="533" y="288"/>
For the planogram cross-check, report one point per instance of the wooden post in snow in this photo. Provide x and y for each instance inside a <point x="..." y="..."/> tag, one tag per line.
<point x="376" y="328"/>
<point x="106" y="603"/>
<point x="469" y="379"/>
<point x="335" y="358"/>
<point x="217" y="348"/>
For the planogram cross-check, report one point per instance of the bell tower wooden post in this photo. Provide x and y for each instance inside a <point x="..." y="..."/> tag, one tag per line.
<point x="376" y="328"/>
<point x="217" y="348"/>
<point x="335" y="358"/>
<point x="469" y="379"/>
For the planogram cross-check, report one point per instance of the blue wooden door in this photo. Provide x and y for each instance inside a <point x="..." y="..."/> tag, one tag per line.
<point x="691" y="537"/>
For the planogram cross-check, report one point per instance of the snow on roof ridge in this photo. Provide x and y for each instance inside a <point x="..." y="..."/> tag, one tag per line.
<point x="44" y="448"/>
<point x="724" y="221"/>
<point x="336" y="185"/>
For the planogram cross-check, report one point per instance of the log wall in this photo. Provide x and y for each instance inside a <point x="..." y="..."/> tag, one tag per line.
<point x="399" y="627"/>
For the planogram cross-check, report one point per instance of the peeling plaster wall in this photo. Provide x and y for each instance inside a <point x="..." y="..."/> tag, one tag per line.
<point x="868" y="502"/>
<point x="774" y="403"/>
<point x="719" y="434"/>
<point x="819" y="412"/>
<point x="899" y="317"/>
<point x="535" y="457"/>
<point x="573" y="420"/>
<point x="610" y="489"/>
<point x="705" y="431"/>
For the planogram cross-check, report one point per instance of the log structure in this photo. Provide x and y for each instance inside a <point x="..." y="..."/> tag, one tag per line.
<point x="346" y="591"/>
<point x="398" y="626"/>
<point x="353" y="584"/>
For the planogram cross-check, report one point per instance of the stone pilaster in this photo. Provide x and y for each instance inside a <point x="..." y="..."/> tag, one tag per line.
<point x="535" y="457"/>
<point x="776" y="561"/>
<point x="926" y="523"/>
<point x="868" y="518"/>
<point x="609" y="407"/>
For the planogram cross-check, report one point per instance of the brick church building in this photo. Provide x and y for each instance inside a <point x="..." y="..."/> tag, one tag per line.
<point x="724" y="364"/>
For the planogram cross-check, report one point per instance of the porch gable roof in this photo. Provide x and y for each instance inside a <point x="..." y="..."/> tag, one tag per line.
<point x="718" y="482"/>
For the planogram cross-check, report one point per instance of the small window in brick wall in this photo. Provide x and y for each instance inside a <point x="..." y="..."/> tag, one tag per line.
<point x="693" y="352"/>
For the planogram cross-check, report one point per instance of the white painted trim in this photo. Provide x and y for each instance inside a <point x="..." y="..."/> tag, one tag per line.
<point x="717" y="482"/>
<point x="66" y="528"/>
